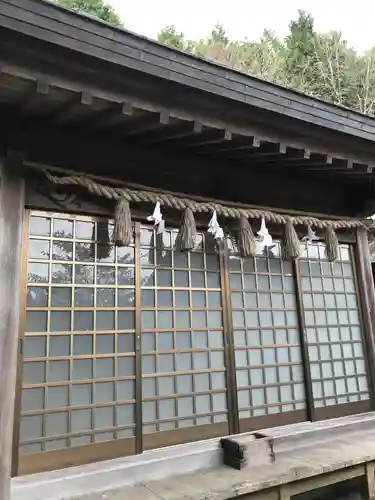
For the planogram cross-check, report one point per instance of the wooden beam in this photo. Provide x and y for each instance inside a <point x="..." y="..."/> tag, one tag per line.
<point x="357" y="169"/>
<point x="34" y="97"/>
<point x="177" y="130"/>
<point x="370" y="479"/>
<point x="266" y="153"/>
<point x="111" y="117"/>
<point x="145" y="123"/>
<point x="365" y="285"/>
<point x="79" y="105"/>
<point x="236" y="143"/>
<point x="157" y="167"/>
<point x="207" y="137"/>
<point x="12" y="194"/>
<point x="327" y="163"/>
<point x="285" y="156"/>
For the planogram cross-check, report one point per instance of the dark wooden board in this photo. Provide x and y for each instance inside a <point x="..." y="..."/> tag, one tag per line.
<point x="46" y="21"/>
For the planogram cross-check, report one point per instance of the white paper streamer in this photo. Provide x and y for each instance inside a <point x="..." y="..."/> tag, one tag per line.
<point x="265" y="237"/>
<point x="214" y="227"/>
<point x="311" y="236"/>
<point x="157" y="218"/>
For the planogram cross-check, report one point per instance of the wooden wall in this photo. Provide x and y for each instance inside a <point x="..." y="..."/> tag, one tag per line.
<point x="11" y="216"/>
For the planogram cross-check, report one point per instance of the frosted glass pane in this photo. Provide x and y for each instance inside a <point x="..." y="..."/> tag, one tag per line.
<point x="39" y="249"/>
<point x="62" y="250"/>
<point x="104" y="392"/>
<point x="84" y="297"/>
<point x="200" y="360"/>
<point x="61" y="273"/>
<point x="105" y="275"/>
<point x="37" y="296"/>
<point x="185" y="407"/>
<point x="34" y="347"/>
<point x="241" y="358"/>
<point x="104" y="417"/>
<point x="148" y="320"/>
<point x="202" y="382"/>
<point x="104" y="368"/>
<point x="31" y="427"/>
<point x="125" y="276"/>
<point x="105" y="297"/>
<point x="81" y="394"/>
<point x="105" y="344"/>
<point x="125" y="297"/>
<point x="63" y="228"/>
<point x="80" y="420"/>
<point x="60" y="321"/>
<point x="125" y="414"/>
<point x="57" y="397"/>
<point x="165" y="386"/>
<point x="125" y="366"/>
<point x="125" y="320"/>
<point x="258" y="397"/>
<point x="202" y="403"/>
<point x="82" y="369"/>
<point x="181" y="298"/>
<point x="83" y="320"/>
<point x="166" y="408"/>
<point x="58" y="371"/>
<point x="184" y="383"/>
<point x="216" y="359"/>
<point x="32" y="399"/>
<point x="242" y="377"/>
<point x="40" y="226"/>
<point x="37" y="273"/>
<point x="59" y="345"/>
<point x="218" y="380"/>
<point x="82" y="344"/>
<point x="165" y="363"/>
<point x="36" y="321"/>
<point x="105" y="320"/>
<point x="55" y="424"/>
<point x="149" y="410"/>
<point x="200" y="340"/>
<point x="165" y="319"/>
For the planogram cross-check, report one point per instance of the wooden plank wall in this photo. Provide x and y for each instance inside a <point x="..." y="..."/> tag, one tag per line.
<point x="11" y="216"/>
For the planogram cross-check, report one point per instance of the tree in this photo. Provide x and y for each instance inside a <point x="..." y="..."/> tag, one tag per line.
<point x="300" y="53"/>
<point x="96" y="8"/>
<point x="319" y="64"/>
<point x="171" y="37"/>
<point x="218" y="35"/>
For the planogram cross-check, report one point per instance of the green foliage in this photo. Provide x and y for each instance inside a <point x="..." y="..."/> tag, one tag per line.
<point x="318" y="64"/>
<point x="96" y="8"/>
<point x="171" y="37"/>
<point x="218" y="35"/>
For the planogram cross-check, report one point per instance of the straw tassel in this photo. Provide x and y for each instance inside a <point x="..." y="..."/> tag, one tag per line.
<point x="123" y="233"/>
<point x="245" y="238"/>
<point x="332" y="243"/>
<point x="187" y="234"/>
<point x="291" y="245"/>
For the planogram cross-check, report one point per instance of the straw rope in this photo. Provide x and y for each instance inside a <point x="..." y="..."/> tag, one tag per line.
<point x="181" y="203"/>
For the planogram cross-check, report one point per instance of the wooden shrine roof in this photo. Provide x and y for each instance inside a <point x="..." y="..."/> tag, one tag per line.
<point x="63" y="73"/>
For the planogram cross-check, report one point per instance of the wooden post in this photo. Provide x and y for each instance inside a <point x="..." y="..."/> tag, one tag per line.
<point x="12" y="193"/>
<point x="367" y="295"/>
<point x="370" y="479"/>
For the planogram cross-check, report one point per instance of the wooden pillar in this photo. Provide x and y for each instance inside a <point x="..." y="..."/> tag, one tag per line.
<point x="370" y="479"/>
<point x="12" y="194"/>
<point x="367" y="295"/>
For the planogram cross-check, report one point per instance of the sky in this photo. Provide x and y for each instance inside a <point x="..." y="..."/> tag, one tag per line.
<point x="246" y="19"/>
